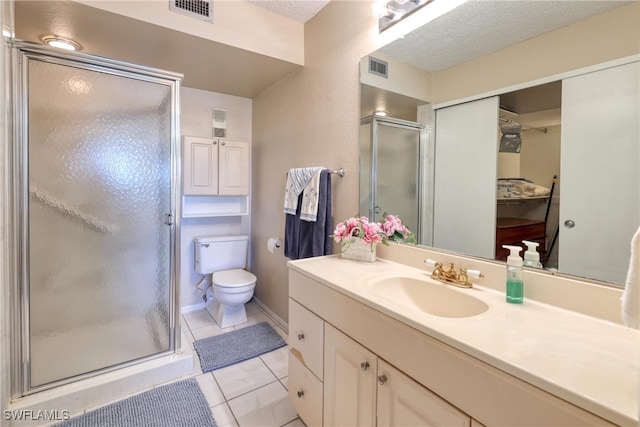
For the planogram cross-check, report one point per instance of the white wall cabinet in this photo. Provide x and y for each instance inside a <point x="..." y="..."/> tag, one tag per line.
<point x="215" y="177"/>
<point x="214" y="167"/>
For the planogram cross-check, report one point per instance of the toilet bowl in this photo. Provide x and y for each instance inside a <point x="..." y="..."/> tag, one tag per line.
<point x="224" y="257"/>
<point x="232" y="289"/>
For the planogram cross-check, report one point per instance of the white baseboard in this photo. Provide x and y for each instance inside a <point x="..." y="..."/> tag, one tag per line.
<point x="194" y="307"/>
<point x="271" y="314"/>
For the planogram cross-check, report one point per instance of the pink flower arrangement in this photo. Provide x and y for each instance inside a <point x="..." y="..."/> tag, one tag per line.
<point x="395" y="231"/>
<point x="372" y="233"/>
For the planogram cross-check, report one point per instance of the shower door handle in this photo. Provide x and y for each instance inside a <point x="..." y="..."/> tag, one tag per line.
<point x="168" y="219"/>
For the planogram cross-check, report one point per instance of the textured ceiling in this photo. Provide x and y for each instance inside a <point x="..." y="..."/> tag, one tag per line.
<point x="298" y="10"/>
<point x="480" y="27"/>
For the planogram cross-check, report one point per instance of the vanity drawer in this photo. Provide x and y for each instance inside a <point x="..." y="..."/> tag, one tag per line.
<point x="306" y="337"/>
<point x="305" y="392"/>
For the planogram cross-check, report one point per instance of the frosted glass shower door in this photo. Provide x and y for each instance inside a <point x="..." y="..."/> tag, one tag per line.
<point x="398" y="174"/>
<point x="99" y="189"/>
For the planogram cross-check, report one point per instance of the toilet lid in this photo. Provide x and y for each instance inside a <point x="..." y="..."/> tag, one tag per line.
<point x="233" y="278"/>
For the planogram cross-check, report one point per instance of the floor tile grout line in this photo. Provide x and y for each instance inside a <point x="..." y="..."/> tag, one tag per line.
<point x="251" y="391"/>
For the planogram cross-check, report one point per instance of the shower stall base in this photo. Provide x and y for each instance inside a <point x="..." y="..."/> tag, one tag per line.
<point x="93" y="392"/>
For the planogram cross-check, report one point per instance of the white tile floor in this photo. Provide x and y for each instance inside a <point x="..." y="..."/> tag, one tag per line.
<point x="250" y="393"/>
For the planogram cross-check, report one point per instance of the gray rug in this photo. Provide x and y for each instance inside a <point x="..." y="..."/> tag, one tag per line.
<point x="236" y="346"/>
<point x="179" y="404"/>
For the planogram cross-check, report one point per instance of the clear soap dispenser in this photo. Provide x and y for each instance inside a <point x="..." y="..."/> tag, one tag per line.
<point x="515" y="284"/>
<point x="531" y="256"/>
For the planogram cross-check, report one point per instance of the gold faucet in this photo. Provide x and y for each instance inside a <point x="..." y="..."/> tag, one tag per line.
<point x="451" y="276"/>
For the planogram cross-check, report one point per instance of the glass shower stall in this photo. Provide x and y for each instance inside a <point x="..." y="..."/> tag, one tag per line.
<point x="394" y="173"/>
<point x="95" y="178"/>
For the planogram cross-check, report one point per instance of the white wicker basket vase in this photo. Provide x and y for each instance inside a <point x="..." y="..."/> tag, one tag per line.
<point x="358" y="250"/>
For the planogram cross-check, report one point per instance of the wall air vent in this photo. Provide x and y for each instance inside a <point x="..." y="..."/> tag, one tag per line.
<point x="378" y="67"/>
<point x="201" y="9"/>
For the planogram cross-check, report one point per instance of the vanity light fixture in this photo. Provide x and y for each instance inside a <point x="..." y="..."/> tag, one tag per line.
<point x="61" y="43"/>
<point x="390" y="12"/>
<point x="381" y="113"/>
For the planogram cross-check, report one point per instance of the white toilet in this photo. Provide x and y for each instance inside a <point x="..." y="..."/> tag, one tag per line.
<point x="224" y="257"/>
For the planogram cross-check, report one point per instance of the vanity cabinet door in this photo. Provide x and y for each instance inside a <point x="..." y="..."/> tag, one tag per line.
<point x="404" y="402"/>
<point x="306" y="336"/>
<point x="305" y="392"/>
<point x="349" y="381"/>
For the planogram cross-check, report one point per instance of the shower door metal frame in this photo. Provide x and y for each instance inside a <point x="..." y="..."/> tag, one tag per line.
<point x="22" y="52"/>
<point x="422" y="166"/>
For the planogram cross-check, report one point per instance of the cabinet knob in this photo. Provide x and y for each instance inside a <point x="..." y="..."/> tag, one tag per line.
<point x="215" y="142"/>
<point x="364" y="366"/>
<point x="300" y="394"/>
<point x="300" y="336"/>
<point x="382" y="379"/>
<point x="223" y="143"/>
<point x="569" y="223"/>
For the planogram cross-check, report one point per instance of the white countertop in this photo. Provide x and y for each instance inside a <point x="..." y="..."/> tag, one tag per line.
<point x="591" y="363"/>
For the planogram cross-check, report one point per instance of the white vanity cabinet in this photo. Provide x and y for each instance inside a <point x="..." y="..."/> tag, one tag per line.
<point x="215" y="167"/>
<point x="361" y="389"/>
<point x="425" y="381"/>
<point x="335" y="381"/>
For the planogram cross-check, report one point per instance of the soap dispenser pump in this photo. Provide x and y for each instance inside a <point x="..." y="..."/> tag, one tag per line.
<point x="515" y="284"/>
<point x="531" y="256"/>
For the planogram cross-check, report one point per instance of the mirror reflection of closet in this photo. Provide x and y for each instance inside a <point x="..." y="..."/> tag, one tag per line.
<point x="528" y="190"/>
<point x="599" y="205"/>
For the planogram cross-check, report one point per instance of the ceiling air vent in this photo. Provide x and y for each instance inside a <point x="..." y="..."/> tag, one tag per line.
<point x="201" y="9"/>
<point x="378" y="67"/>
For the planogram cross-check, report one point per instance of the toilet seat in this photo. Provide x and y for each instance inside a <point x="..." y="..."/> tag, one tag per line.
<point x="233" y="278"/>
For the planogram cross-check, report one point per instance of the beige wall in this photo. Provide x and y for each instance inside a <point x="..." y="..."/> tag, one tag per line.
<point x="403" y="79"/>
<point x="309" y="119"/>
<point x="604" y="37"/>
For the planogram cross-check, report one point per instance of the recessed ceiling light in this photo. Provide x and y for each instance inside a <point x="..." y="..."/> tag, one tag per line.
<point x="61" y="43"/>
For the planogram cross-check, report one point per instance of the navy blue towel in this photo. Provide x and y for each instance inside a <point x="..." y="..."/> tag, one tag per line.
<point x="303" y="239"/>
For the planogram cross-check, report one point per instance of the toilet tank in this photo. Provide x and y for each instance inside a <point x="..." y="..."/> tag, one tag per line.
<point x="217" y="253"/>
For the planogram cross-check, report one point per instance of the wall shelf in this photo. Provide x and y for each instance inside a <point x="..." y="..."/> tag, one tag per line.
<point x="214" y="206"/>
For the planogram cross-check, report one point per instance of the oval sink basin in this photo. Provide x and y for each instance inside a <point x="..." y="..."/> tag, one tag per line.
<point x="429" y="297"/>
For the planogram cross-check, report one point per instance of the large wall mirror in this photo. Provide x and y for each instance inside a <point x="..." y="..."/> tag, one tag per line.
<point x="553" y="160"/>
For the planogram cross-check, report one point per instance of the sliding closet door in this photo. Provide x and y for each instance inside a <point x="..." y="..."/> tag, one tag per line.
<point x="465" y="177"/>
<point x="600" y="127"/>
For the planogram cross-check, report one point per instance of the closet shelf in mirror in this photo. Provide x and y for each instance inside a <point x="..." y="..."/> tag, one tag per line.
<point x="522" y="200"/>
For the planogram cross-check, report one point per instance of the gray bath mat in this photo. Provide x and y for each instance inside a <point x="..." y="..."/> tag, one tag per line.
<point x="236" y="346"/>
<point x="179" y="404"/>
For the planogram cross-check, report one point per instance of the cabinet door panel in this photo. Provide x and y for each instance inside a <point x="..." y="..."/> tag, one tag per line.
<point x="349" y="386"/>
<point x="234" y="168"/>
<point x="305" y="392"/>
<point x="404" y="402"/>
<point x="306" y="336"/>
<point x="200" y="161"/>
